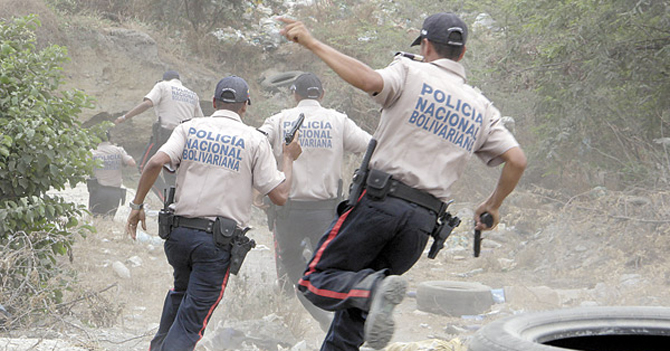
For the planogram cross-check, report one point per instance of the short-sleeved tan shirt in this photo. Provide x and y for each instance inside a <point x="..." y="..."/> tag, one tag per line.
<point x="220" y="159"/>
<point x="324" y="137"/>
<point x="431" y="124"/>
<point x="113" y="158"/>
<point x="174" y="103"/>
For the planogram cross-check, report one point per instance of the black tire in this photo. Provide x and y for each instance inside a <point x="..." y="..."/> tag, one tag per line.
<point x="280" y="80"/>
<point x="626" y="328"/>
<point x="453" y="298"/>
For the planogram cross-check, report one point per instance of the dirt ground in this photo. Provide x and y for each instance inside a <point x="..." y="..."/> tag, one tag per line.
<point x="555" y="262"/>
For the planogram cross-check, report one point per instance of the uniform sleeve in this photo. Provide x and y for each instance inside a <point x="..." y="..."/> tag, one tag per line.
<point x="266" y="176"/>
<point x="174" y="147"/>
<point x="127" y="159"/>
<point x="496" y="140"/>
<point x="155" y="94"/>
<point x="356" y="140"/>
<point x="394" y="76"/>
<point x="271" y="128"/>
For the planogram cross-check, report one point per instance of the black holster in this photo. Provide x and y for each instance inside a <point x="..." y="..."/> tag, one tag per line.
<point x="241" y="246"/>
<point x="226" y="234"/>
<point x="443" y="228"/>
<point x="165" y="223"/>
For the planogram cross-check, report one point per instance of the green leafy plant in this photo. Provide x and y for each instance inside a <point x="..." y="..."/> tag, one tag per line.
<point x="42" y="147"/>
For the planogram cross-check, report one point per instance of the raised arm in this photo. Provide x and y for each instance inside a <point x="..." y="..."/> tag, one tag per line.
<point x="348" y="68"/>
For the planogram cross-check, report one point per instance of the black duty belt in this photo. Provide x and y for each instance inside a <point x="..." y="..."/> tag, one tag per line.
<point x="203" y="224"/>
<point x="421" y="198"/>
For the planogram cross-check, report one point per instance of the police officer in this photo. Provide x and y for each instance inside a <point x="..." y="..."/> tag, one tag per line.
<point x="172" y="103"/>
<point x="220" y="160"/>
<point x="431" y="124"/>
<point x="104" y="189"/>
<point x="325" y="135"/>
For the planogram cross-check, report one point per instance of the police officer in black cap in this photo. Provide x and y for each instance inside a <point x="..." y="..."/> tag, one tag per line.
<point x="431" y="124"/>
<point x="325" y="136"/>
<point x="220" y="159"/>
<point x="172" y="103"/>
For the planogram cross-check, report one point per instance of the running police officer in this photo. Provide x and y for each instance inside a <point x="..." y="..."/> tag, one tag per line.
<point x="325" y="135"/>
<point x="172" y="103"/>
<point x="219" y="160"/>
<point x="104" y="189"/>
<point x="431" y="124"/>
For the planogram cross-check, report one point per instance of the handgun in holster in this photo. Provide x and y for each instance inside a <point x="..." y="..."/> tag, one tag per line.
<point x="166" y="216"/>
<point x="241" y="245"/>
<point x="228" y="235"/>
<point x="443" y="228"/>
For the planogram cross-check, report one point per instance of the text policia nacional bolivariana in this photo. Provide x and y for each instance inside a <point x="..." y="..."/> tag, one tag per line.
<point x="449" y="118"/>
<point x="214" y="149"/>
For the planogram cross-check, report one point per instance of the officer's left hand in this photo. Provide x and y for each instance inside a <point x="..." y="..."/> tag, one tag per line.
<point x="135" y="217"/>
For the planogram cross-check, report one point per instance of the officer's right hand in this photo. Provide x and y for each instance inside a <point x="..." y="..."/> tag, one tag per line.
<point x="296" y="31"/>
<point x="134" y="218"/>
<point x="494" y="212"/>
<point x="293" y="150"/>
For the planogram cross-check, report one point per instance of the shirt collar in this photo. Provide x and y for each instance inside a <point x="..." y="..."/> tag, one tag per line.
<point x="175" y="82"/>
<point x="452" y="66"/>
<point x="227" y="114"/>
<point x="309" y="103"/>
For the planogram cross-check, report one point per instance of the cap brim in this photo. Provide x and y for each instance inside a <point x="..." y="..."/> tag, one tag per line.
<point x="417" y="41"/>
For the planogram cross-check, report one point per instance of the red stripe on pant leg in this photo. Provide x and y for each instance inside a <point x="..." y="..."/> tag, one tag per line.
<point x="334" y="294"/>
<point x="331" y="235"/>
<point x="145" y="156"/>
<point x="211" y="309"/>
<point x="312" y="265"/>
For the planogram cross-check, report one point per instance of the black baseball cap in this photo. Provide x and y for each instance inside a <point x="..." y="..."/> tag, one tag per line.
<point x="307" y="85"/>
<point x="443" y="28"/>
<point x="232" y="89"/>
<point x="170" y="74"/>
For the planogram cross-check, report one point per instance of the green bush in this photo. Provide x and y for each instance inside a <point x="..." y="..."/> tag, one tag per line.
<point x="42" y="147"/>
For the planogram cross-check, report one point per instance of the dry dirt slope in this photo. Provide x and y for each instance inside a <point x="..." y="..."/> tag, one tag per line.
<point x="543" y="262"/>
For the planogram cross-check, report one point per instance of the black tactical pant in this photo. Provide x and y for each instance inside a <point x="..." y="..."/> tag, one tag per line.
<point x="104" y="200"/>
<point x="298" y="227"/>
<point x="374" y="239"/>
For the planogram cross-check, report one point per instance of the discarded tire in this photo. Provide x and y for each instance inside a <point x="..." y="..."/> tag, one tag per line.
<point x="586" y="328"/>
<point x="453" y="298"/>
<point x="280" y="80"/>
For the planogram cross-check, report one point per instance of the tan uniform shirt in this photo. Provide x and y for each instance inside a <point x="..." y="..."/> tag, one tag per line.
<point x="431" y="124"/>
<point x="220" y="159"/>
<point x="113" y="158"/>
<point x="324" y="137"/>
<point x="174" y="103"/>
